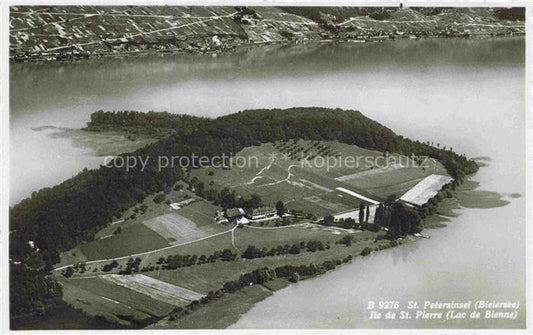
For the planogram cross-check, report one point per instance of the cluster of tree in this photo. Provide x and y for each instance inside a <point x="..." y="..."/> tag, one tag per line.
<point x="110" y="266"/>
<point x="364" y="216"/>
<point x="225" y="198"/>
<point x="29" y="289"/>
<point x="179" y="261"/>
<point x="347" y="240"/>
<point x="297" y="151"/>
<point x="402" y="220"/>
<point x="151" y="123"/>
<point x="431" y="206"/>
<point x="287" y="271"/>
<point x="131" y="266"/>
<point x="364" y="212"/>
<point x="78" y="267"/>
<point x="64" y="316"/>
<point x="242" y="12"/>
<point x="280" y="208"/>
<point x="347" y="223"/>
<point x="258" y="276"/>
<point x="397" y="218"/>
<point x="252" y="251"/>
<point x="366" y="251"/>
<point x="391" y="244"/>
<point x="60" y="217"/>
<point x="513" y="13"/>
<point x="160" y="197"/>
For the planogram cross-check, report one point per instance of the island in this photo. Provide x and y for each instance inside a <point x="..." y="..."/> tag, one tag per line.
<point x="213" y="215"/>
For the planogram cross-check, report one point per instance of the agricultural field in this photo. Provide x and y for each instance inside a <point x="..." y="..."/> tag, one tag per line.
<point x="210" y="317"/>
<point x="134" y="239"/>
<point x="97" y="296"/>
<point x="94" y="28"/>
<point x="212" y="276"/>
<point x="395" y="181"/>
<point x="307" y="175"/>
<point x="200" y="212"/>
<point x="157" y="226"/>
<point x="138" y="298"/>
<point x="425" y="189"/>
<point x="178" y="229"/>
<point x="155" y="289"/>
<point x="152" y="231"/>
<point x="268" y="237"/>
<point x="276" y="25"/>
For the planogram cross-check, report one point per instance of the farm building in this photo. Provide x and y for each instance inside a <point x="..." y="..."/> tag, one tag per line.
<point x="220" y="218"/>
<point x="261" y="213"/>
<point x="233" y="214"/>
<point x="243" y="220"/>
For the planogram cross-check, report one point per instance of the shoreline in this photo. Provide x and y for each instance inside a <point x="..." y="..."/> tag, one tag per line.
<point x="243" y="301"/>
<point x="247" y="298"/>
<point x="238" y="47"/>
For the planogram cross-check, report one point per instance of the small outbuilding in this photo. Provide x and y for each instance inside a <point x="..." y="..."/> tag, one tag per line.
<point x="234" y="213"/>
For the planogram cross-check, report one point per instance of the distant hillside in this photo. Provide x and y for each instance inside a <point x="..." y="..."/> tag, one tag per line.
<point x="61" y="32"/>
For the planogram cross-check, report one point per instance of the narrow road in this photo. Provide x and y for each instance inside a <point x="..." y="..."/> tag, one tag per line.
<point x="233" y="238"/>
<point x="144" y="33"/>
<point x="148" y="252"/>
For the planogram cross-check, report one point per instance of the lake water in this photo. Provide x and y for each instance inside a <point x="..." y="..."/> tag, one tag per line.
<point x="467" y="94"/>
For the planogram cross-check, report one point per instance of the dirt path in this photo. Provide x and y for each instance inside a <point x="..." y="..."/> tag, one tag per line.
<point x="283" y="180"/>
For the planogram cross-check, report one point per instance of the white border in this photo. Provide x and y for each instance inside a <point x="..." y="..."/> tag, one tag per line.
<point x="4" y="154"/>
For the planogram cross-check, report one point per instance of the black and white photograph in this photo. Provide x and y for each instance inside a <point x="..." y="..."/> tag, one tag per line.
<point x="243" y="166"/>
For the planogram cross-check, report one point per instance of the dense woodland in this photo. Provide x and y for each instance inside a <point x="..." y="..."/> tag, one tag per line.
<point x="58" y="218"/>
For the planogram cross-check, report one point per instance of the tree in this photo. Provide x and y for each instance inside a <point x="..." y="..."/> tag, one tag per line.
<point x="348" y="223"/>
<point x="228" y="201"/>
<point x="404" y="220"/>
<point x="346" y="240"/>
<point x="378" y="216"/>
<point x="366" y="251"/>
<point x="361" y="212"/>
<point x="255" y="201"/>
<point x="251" y="252"/>
<point x="159" y="198"/>
<point x="329" y="220"/>
<point x="295" y="249"/>
<point x="69" y="272"/>
<point x="280" y="208"/>
<point x="295" y="277"/>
